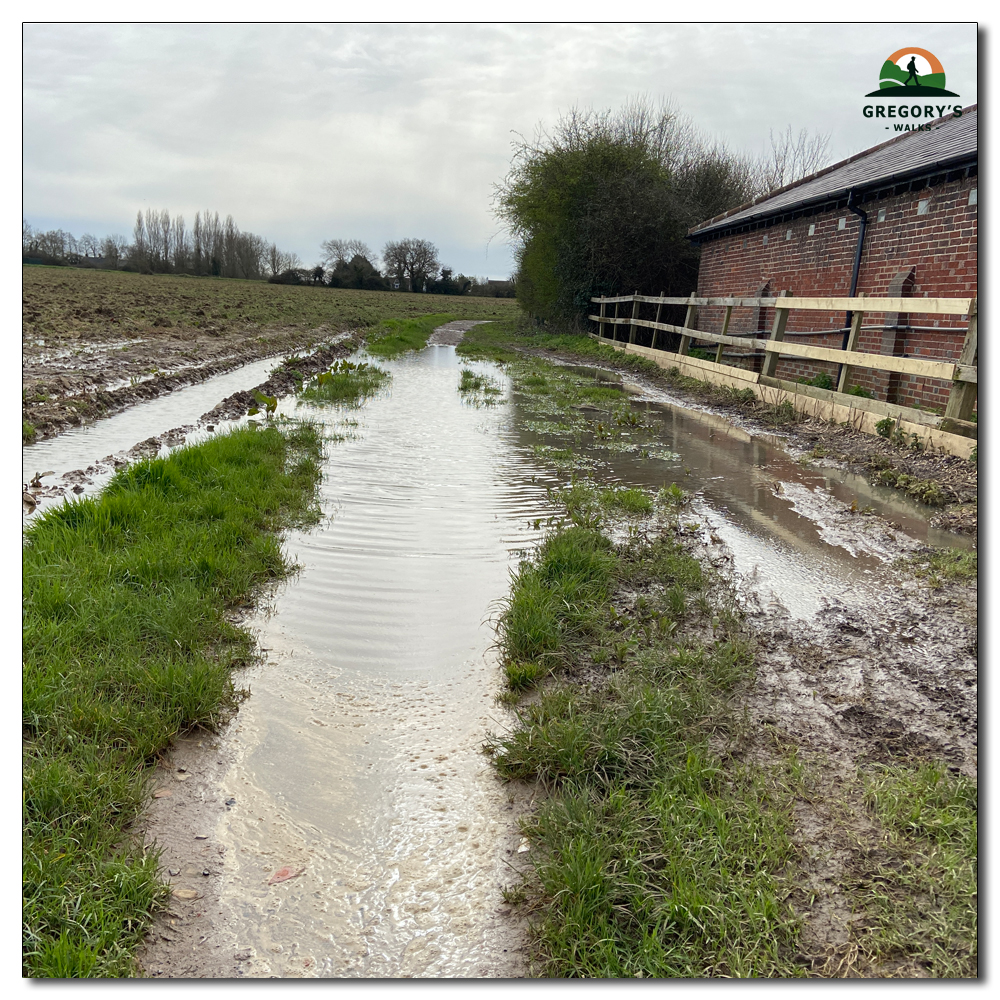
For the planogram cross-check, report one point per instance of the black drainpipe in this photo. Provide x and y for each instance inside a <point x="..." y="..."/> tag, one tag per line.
<point x="857" y="267"/>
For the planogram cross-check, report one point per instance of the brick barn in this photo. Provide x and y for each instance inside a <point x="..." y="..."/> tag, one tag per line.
<point x="897" y="220"/>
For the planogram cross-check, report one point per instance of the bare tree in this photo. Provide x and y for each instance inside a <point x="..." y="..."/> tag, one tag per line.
<point x="412" y="261"/>
<point x="181" y="246"/>
<point x="113" y="249"/>
<point x="138" y="251"/>
<point x="343" y="251"/>
<point x="277" y="261"/>
<point x="791" y="158"/>
<point x="89" y="245"/>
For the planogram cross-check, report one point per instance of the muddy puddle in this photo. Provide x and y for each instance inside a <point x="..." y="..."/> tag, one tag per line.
<point x="347" y="824"/>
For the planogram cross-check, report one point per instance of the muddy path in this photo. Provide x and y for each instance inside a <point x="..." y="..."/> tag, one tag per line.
<point x="346" y="823"/>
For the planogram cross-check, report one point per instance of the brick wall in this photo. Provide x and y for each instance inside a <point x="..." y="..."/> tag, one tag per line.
<point x="932" y="231"/>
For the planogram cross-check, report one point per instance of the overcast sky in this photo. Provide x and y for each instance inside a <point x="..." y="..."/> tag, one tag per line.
<point x="306" y="132"/>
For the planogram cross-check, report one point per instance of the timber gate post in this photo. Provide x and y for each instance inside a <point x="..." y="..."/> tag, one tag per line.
<point x="852" y="345"/>
<point x="600" y="326"/>
<point x="635" y="316"/>
<point x="688" y="325"/>
<point x="659" y="309"/>
<point x="725" y="330"/>
<point x="777" y="335"/>
<point x="963" y="395"/>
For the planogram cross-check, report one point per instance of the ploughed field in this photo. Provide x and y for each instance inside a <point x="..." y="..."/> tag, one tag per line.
<point x="95" y="342"/>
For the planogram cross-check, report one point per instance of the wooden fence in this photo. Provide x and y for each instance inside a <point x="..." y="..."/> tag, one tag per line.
<point x="963" y="373"/>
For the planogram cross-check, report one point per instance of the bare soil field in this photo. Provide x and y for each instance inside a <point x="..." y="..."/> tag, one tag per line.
<point x="95" y="342"/>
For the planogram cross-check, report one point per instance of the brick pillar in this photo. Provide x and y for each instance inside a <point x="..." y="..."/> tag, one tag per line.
<point x="886" y="384"/>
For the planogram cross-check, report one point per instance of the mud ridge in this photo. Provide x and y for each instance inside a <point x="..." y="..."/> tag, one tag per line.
<point x="284" y="381"/>
<point x="57" y="395"/>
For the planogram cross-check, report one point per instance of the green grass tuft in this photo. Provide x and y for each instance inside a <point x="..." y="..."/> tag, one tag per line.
<point x="347" y="383"/>
<point x="920" y="891"/>
<point x="631" y="500"/>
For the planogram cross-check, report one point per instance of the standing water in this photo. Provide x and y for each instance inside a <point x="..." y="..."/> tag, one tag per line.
<point x="358" y="757"/>
<point x="347" y="822"/>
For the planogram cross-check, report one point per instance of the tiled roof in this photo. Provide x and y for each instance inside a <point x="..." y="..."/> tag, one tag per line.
<point x="954" y="139"/>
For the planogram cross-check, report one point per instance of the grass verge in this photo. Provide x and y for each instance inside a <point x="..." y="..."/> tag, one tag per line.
<point x="126" y="643"/>
<point x="661" y="849"/>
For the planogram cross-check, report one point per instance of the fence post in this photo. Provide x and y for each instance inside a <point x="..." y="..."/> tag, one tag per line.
<point x="725" y="330"/>
<point x="614" y="326"/>
<point x="777" y="335"/>
<point x="659" y="309"/>
<point x="688" y="325"/>
<point x="852" y="345"/>
<point x="635" y="314"/>
<point x="601" y="324"/>
<point x="963" y="395"/>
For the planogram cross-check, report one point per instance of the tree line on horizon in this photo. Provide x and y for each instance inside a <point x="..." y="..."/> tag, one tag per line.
<point x="164" y="244"/>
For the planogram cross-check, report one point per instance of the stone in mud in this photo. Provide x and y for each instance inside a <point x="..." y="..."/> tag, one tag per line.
<point x="77" y="476"/>
<point x="143" y="449"/>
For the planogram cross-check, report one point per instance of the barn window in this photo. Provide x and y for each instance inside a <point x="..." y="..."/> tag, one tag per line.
<point x="974" y="196"/>
<point x="812" y="228"/>
<point x="765" y="239"/>
<point x="924" y="206"/>
<point x="881" y="215"/>
<point x="788" y="234"/>
<point x="842" y="224"/>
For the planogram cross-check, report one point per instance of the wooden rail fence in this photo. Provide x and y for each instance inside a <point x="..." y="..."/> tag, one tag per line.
<point x="963" y="373"/>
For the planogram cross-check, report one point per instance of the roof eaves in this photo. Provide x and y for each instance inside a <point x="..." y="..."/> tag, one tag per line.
<point x="838" y="194"/>
<point x="710" y="223"/>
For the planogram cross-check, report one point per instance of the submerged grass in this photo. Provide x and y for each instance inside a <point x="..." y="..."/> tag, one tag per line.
<point x="659" y="851"/>
<point x="397" y="336"/>
<point x="347" y="383"/>
<point x="126" y="643"/>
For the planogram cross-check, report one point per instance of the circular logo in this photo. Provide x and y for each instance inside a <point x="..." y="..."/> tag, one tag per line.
<point x="912" y="72"/>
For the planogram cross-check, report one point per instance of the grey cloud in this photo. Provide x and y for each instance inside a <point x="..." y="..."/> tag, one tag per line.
<point x="303" y="132"/>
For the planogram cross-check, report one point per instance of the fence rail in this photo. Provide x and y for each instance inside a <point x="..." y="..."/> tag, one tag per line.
<point x="963" y="374"/>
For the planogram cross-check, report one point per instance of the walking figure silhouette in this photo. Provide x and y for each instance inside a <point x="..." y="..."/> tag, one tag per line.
<point x="911" y="67"/>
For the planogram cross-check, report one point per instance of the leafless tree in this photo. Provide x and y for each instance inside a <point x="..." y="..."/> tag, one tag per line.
<point x="89" y="245"/>
<point x="277" y="261"/>
<point x="113" y="249"/>
<point x="343" y="251"/>
<point x="791" y="158"/>
<point x="163" y="243"/>
<point x="412" y="261"/>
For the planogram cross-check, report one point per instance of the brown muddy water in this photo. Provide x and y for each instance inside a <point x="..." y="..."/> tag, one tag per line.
<point x="355" y="765"/>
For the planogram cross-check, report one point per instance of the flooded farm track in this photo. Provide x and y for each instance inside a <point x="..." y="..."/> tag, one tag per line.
<point x="347" y="824"/>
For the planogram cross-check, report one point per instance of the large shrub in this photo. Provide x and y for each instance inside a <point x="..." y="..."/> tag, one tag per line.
<point x="602" y="205"/>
